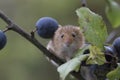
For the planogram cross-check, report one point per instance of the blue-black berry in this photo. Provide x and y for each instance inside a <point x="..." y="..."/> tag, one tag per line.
<point x="109" y="49"/>
<point x="46" y="27"/>
<point x="109" y="53"/>
<point x="3" y="39"/>
<point x="116" y="46"/>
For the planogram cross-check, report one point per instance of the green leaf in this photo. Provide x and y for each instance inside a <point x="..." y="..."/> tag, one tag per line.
<point x="95" y="29"/>
<point x="113" y="13"/>
<point x="115" y="74"/>
<point x="96" y="56"/>
<point x="81" y="51"/>
<point x="72" y="65"/>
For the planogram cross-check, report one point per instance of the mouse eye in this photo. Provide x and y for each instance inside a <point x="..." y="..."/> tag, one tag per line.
<point x="73" y="35"/>
<point x="62" y="35"/>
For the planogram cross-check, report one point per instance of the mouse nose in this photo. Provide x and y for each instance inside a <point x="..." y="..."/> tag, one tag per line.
<point x="68" y="43"/>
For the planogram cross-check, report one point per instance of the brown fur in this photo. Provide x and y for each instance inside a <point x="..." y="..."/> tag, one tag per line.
<point x="66" y="41"/>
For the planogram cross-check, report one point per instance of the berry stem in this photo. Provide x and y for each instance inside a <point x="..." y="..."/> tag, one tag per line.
<point x="5" y="30"/>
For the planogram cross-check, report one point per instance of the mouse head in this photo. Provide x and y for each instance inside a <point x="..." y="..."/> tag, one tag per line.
<point x="68" y="36"/>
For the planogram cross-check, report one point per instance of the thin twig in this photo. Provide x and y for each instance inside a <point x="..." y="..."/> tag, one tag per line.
<point x="5" y="18"/>
<point x="84" y="3"/>
<point x="113" y="35"/>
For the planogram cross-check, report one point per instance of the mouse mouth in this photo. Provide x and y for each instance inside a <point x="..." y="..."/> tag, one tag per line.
<point x="69" y="46"/>
<point x="66" y="45"/>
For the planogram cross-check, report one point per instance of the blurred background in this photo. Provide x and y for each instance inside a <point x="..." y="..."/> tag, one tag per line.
<point x="20" y="60"/>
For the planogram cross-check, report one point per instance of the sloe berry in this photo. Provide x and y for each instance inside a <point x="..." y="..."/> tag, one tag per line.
<point x="3" y="39"/>
<point x="46" y="27"/>
<point x="116" y="46"/>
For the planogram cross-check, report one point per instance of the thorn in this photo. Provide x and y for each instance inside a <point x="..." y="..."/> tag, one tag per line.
<point x="33" y="33"/>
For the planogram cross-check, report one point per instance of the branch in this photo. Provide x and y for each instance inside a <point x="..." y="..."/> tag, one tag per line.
<point x="14" y="27"/>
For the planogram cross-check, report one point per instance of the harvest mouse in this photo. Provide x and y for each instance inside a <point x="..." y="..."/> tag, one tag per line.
<point x="66" y="41"/>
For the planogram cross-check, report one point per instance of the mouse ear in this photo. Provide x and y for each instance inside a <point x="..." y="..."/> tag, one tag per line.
<point x="59" y="26"/>
<point x="82" y="30"/>
<point x="78" y="28"/>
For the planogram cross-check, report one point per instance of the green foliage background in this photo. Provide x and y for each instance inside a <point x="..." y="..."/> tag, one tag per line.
<point x="20" y="60"/>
